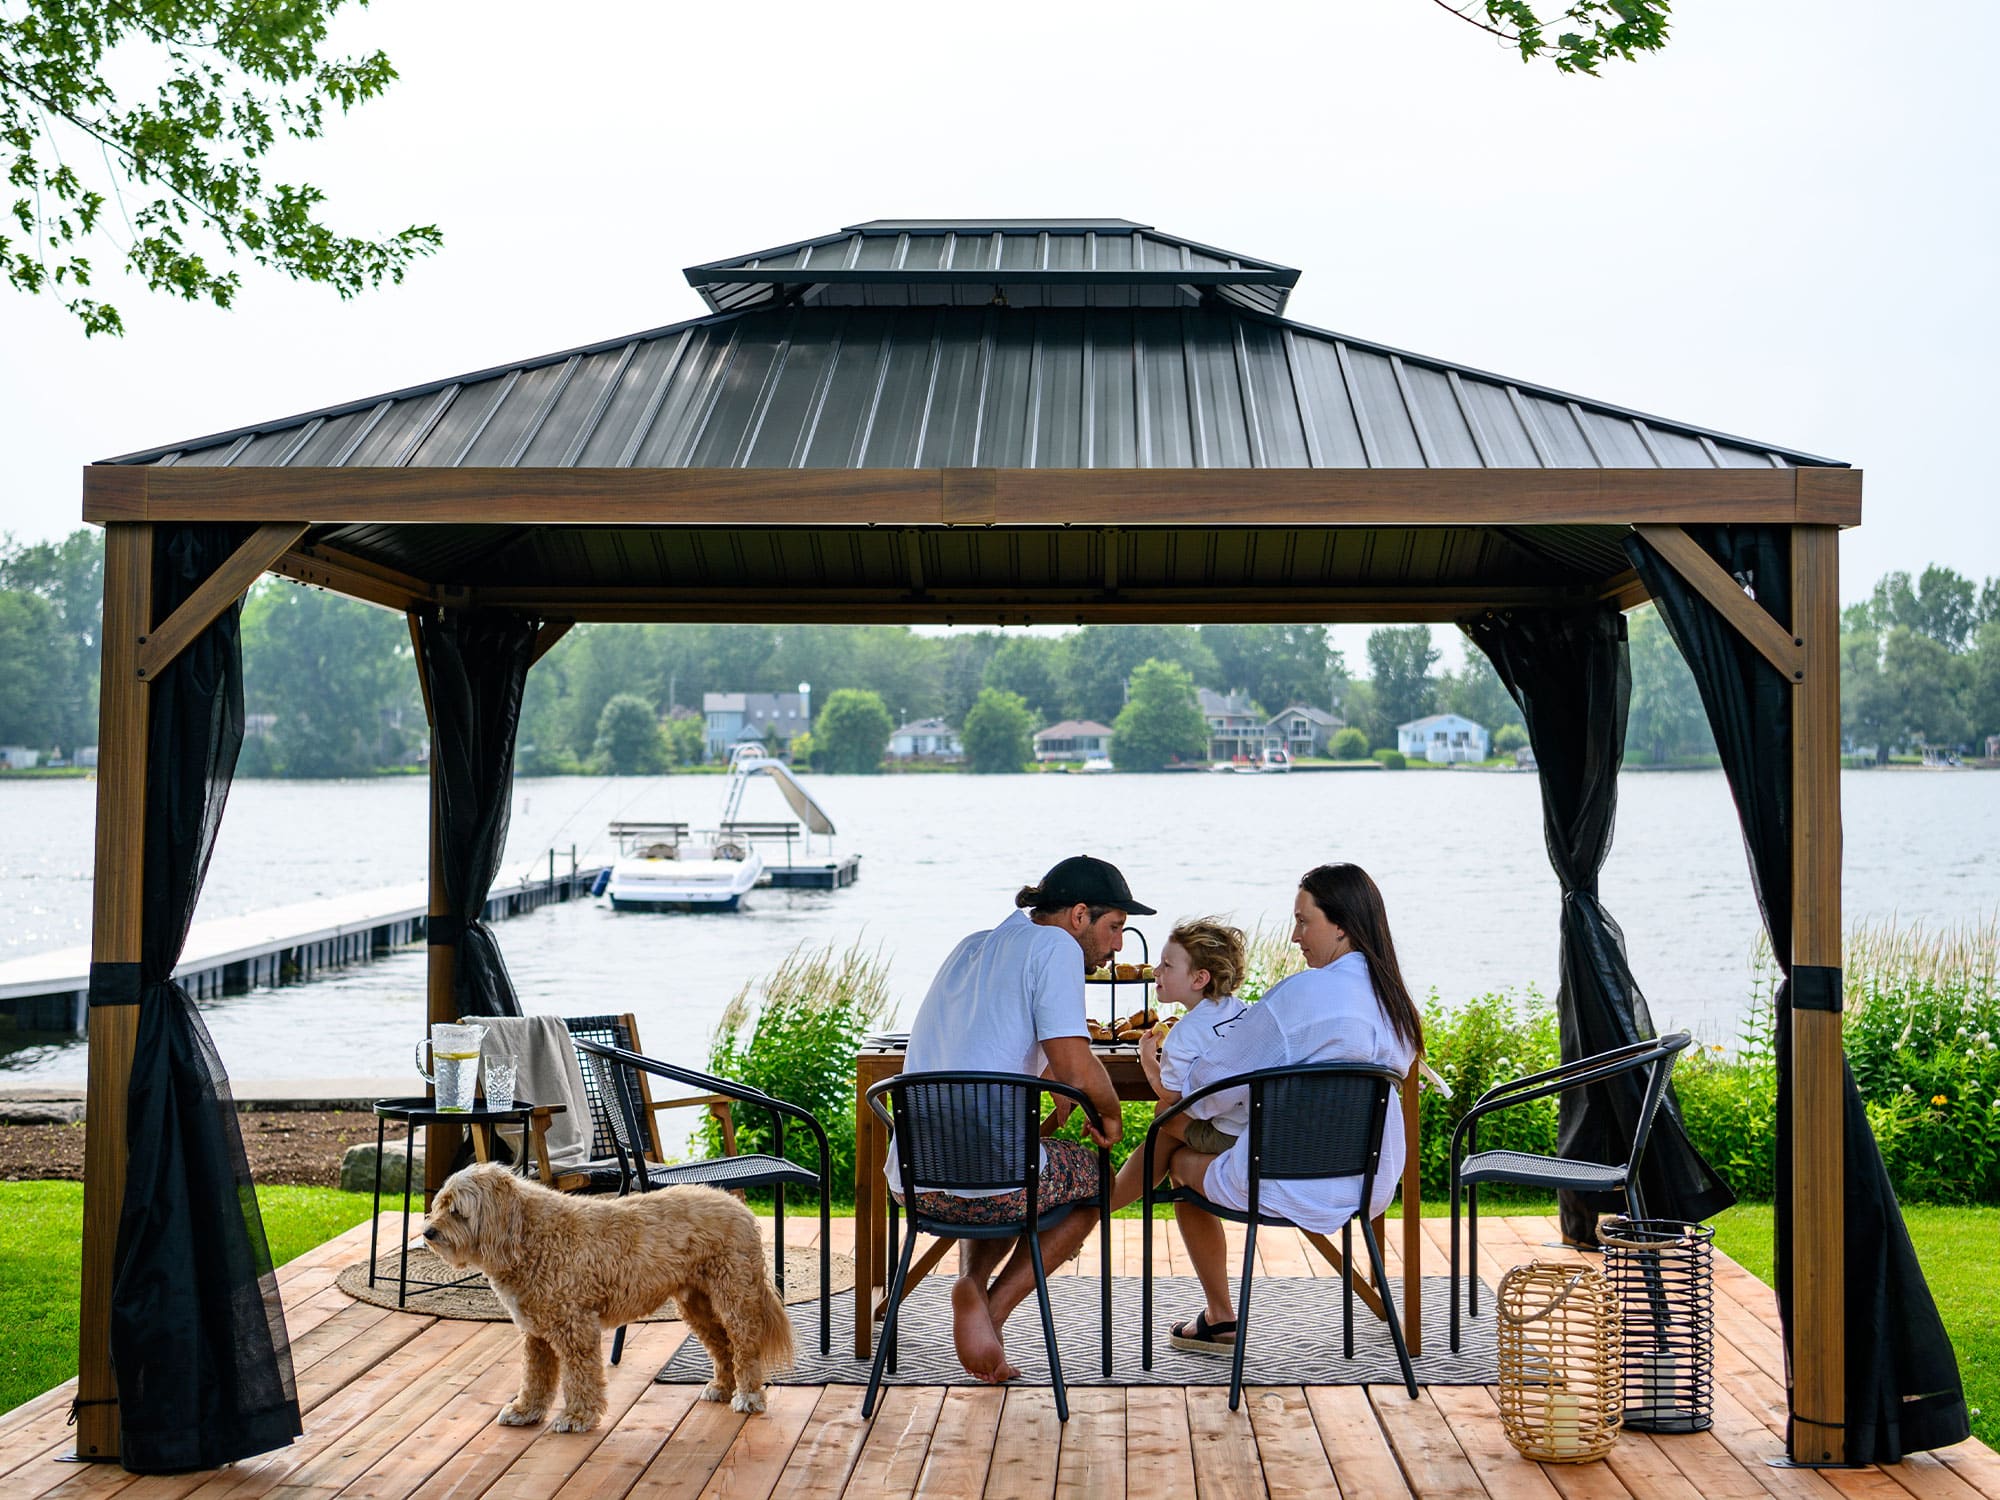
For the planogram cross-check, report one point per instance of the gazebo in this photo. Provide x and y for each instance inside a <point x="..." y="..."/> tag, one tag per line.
<point x="994" y="422"/>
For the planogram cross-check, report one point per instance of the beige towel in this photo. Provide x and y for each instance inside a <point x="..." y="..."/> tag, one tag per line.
<point x="547" y="1073"/>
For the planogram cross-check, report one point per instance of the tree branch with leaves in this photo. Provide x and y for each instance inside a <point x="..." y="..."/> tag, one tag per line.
<point x="237" y="78"/>
<point x="1585" y="33"/>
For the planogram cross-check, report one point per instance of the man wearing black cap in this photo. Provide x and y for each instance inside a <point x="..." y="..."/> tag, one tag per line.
<point x="1010" y="1000"/>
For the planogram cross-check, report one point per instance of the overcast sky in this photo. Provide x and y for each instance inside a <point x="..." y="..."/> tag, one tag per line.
<point x="1782" y="227"/>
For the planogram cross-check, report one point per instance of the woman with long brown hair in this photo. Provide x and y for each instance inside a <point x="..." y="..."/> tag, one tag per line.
<point x="1350" y="1004"/>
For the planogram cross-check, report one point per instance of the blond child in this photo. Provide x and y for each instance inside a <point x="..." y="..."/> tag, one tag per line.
<point x="1200" y="966"/>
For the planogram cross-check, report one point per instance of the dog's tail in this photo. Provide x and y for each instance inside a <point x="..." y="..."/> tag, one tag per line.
<point x="774" y="1330"/>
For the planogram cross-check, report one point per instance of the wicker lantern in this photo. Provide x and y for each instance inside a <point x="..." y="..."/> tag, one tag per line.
<point x="1562" y="1381"/>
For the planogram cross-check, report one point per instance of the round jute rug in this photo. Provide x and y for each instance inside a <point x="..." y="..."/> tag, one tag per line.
<point x="478" y="1304"/>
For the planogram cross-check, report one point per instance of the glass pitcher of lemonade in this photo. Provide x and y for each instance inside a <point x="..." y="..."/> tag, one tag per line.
<point x="454" y="1070"/>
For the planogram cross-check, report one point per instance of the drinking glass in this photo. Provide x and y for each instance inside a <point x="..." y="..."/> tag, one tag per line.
<point x="454" y="1051"/>
<point x="500" y="1085"/>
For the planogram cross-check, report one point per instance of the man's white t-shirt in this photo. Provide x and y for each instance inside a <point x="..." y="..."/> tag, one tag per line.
<point x="1321" y="1015"/>
<point x="997" y="998"/>
<point x="1193" y="1037"/>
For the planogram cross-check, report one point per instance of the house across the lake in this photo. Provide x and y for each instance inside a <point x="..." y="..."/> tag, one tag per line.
<point x="1235" y="724"/>
<point x="1443" y="739"/>
<point x="1302" y="730"/>
<point x="734" y="718"/>
<point x="925" y="739"/>
<point x="1074" y="739"/>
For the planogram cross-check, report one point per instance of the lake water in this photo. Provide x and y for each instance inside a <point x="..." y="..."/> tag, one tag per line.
<point x="1458" y="855"/>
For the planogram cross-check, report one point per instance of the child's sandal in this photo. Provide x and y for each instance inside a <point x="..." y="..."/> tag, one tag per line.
<point x="1204" y="1337"/>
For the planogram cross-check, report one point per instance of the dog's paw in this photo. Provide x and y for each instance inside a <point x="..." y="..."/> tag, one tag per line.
<point x="715" y="1390"/>
<point x="747" y="1401"/>
<point x="575" y="1421"/>
<point x="520" y="1416"/>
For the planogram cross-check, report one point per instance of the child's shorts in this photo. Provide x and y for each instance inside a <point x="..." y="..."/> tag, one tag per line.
<point x="1205" y="1138"/>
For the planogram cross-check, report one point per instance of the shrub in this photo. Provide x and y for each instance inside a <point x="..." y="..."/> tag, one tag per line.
<point x="1392" y="760"/>
<point x="1729" y="1103"/>
<point x="1350" y="744"/>
<point x="798" y="1043"/>
<point x="1510" y="737"/>
<point x="1490" y="1039"/>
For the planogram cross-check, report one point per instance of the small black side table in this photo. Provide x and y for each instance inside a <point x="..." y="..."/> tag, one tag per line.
<point x="424" y="1111"/>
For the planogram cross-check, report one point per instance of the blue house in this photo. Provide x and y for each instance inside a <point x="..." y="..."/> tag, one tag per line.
<point x="1443" y="739"/>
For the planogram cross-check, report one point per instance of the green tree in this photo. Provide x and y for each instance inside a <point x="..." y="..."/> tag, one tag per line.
<point x="29" y="642"/>
<point x="1400" y="658"/>
<point x="1928" y="685"/>
<point x="1939" y="604"/>
<point x="629" y="742"/>
<point x="1587" y="33"/>
<point x="966" y="656"/>
<point x="1099" y="659"/>
<point x="1162" y="722"/>
<point x="1868" y="710"/>
<point x="1982" y="698"/>
<point x="1477" y="693"/>
<point x="999" y="732"/>
<point x="1031" y="668"/>
<point x="1510" y="737"/>
<point x="1277" y="665"/>
<point x="1666" y="716"/>
<point x="852" y="731"/>
<point x="686" y="737"/>
<point x="69" y="576"/>
<point x="1350" y="744"/>
<point x="209" y="91"/>
<point x="336" y="674"/>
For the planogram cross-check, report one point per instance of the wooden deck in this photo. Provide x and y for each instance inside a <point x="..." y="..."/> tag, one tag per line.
<point x="401" y="1405"/>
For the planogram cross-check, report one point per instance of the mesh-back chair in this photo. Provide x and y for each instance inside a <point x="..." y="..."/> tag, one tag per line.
<point x="973" y="1132"/>
<point x="755" y="1170"/>
<point x="1471" y="1166"/>
<point x="1315" y="1120"/>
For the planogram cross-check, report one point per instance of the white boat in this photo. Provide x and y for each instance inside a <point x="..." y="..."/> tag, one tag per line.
<point x="661" y="868"/>
<point x="1275" y="758"/>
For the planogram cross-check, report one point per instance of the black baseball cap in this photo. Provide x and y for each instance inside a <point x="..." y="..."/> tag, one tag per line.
<point x="1095" y="882"/>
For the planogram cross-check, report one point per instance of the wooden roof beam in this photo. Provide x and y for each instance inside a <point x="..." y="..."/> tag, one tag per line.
<point x="1127" y="498"/>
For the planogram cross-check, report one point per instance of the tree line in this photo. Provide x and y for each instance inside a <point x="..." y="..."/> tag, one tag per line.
<point x="333" y="690"/>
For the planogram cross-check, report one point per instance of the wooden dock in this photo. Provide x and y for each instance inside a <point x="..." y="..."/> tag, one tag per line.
<point x="400" y="1405"/>
<point x="49" y="992"/>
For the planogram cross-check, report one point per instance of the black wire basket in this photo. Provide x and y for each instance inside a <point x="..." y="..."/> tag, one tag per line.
<point x="1663" y="1271"/>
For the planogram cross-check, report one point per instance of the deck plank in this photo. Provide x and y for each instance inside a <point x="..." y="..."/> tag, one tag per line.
<point x="892" y="1457"/>
<point x="826" y="1451"/>
<point x="682" y="1466"/>
<point x="751" y="1468"/>
<point x="962" y="1444"/>
<point x="1226" y="1465"/>
<point x="1091" y="1465"/>
<point x="1433" y="1464"/>
<point x="1475" y="1424"/>
<point x="1364" y="1466"/>
<point x="1027" y="1446"/>
<point x="1294" y="1461"/>
<point x="1159" y="1455"/>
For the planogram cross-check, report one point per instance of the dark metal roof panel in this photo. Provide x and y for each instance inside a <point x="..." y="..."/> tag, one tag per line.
<point x="956" y="387"/>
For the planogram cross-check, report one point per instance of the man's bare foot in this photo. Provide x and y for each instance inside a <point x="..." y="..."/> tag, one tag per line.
<point x="977" y="1340"/>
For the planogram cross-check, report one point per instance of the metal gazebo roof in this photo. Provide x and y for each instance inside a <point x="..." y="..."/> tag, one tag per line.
<point x="926" y="375"/>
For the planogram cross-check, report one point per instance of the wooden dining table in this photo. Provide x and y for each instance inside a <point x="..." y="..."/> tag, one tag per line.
<point x="871" y="1196"/>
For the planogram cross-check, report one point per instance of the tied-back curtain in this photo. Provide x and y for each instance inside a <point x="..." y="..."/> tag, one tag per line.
<point x="1903" y="1390"/>
<point x="198" y="1338"/>
<point x="1568" y="671"/>
<point x="475" y="664"/>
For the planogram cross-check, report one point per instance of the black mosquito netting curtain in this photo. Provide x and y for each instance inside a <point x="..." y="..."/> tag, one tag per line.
<point x="1568" y="671"/>
<point x="475" y="664"/>
<point x="198" y="1339"/>
<point x="1903" y="1391"/>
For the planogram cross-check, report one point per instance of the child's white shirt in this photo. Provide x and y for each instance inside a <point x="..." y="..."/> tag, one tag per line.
<point x="1192" y="1038"/>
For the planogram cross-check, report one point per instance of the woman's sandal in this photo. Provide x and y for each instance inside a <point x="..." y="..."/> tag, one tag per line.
<point x="1204" y="1337"/>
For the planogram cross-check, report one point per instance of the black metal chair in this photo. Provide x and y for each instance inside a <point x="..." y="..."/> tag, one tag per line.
<point x="1306" y="1122"/>
<point x="629" y="1129"/>
<point x="962" y="1131"/>
<point x="1553" y="1173"/>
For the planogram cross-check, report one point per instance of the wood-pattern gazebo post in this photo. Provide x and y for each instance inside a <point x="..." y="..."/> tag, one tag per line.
<point x="117" y="894"/>
<point x="440" y="1141"/>
<point x="1819" y="1346"/>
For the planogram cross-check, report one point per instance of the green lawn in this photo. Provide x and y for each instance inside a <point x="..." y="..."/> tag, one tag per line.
<point x="41" y="1229"/>
<point x="41" y="1225"/>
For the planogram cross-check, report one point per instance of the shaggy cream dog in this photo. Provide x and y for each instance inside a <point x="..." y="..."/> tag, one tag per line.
<point x="568" y="1268"/>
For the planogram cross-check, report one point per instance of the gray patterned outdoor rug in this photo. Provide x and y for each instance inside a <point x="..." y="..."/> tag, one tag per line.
<point x="1294" y="1339"/>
